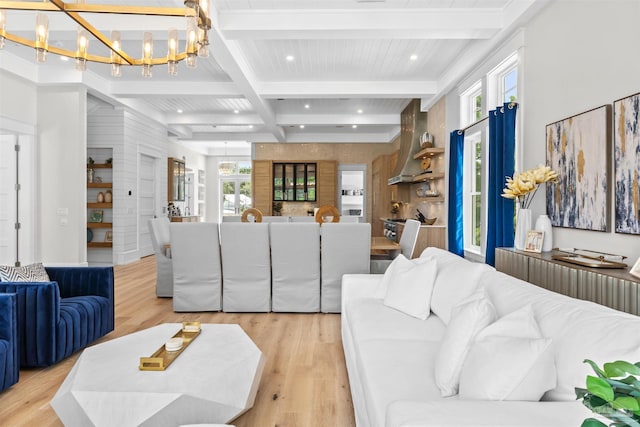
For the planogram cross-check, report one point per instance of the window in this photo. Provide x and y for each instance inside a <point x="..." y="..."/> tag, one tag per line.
<point x="235" y="183"/>
<point x="500" y="86"/>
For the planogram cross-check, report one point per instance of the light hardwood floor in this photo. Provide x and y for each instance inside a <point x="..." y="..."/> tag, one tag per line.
<point x="304" y="382"/>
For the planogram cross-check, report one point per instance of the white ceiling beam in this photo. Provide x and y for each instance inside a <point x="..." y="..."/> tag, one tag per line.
<point x="215" y="119"/>
<point x="352" y="138"/>
<point x="247" y="136"/>
<point x="131" y="89"/>
<point x="458" y="23"/>
<point x="347" y="89"/>
<point x="338" y="119"/>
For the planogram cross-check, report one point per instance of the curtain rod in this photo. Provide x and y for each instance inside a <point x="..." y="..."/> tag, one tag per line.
<point x="477" y="122"/>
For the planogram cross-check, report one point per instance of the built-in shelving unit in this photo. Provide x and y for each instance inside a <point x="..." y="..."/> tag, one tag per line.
<point x="99" y="201"/>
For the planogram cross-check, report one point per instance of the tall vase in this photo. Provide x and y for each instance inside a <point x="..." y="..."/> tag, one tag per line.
<point x="543" y="223"/>
<point x="523" y="225"/>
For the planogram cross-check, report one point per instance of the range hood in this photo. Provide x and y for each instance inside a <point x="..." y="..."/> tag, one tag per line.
<point x="413" y="124"/>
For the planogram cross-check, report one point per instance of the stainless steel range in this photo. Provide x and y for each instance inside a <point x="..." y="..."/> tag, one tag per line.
<point x="391" y="228"/>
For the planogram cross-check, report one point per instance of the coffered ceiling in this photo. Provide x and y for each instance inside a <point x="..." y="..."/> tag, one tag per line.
<point x="286" y="70"/>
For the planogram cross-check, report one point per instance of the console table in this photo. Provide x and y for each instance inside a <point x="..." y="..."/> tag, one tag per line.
<point x="614" y="288"/>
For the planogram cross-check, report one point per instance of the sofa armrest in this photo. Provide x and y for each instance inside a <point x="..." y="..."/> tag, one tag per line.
<point x="356" y="286"/>
<point x="476" y="413"/>
<point x="10" y="368"/>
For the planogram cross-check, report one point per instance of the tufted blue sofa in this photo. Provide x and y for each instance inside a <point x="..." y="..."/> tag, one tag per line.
<point x="9" y="363"/>
<point x="64" y="315"/>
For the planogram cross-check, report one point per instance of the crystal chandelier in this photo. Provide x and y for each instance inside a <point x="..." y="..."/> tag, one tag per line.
<point x="198" y="24"/>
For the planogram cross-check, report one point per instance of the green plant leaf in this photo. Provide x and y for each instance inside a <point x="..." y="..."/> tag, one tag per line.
<point x="600" y="388"/>
<point x="625" y="402"/>
<point x="595" y="368"/>
<point x="592" y="422"/>
<point x="620" y="368"/>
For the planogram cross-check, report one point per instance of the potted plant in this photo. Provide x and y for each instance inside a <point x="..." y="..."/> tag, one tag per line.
<point x="613" y="394"/>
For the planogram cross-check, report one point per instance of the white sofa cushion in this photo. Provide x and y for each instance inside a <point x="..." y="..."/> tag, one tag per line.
<point x="410" y="286"/>
<point x="509" y="360"/>
<point x="468" y="318"/>
<point x="399" y="263"/>
<point x="457" y="278"/>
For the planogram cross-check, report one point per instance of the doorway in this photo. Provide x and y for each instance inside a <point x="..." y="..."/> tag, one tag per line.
<point x="147" y="202"/>
<point x="351" y="190"/>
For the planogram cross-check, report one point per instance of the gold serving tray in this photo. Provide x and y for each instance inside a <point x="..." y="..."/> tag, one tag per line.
<point x="161" y="359"/>
<point x="589" y="261"/>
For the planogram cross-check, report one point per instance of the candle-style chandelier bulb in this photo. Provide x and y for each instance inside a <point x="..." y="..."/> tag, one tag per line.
<point x="42" y="37"/>
<point x="172" y="49"/>
<point x="115" y="58"/>
<point x="147" y="54"/>
<point x="2" y="31"/>
<point x="82" y="46"/>
<point x="192" y="42"/>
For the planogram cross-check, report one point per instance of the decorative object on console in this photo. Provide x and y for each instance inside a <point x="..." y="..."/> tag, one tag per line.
<point x="612" y="393"/>
<point x="626" y="136"/>
<point x="578" y="149"/>
<point x="635" y="270"/>
<point x="522" y="188"/>
<point x="534" y="241"/>
<point x="543" y="223"/>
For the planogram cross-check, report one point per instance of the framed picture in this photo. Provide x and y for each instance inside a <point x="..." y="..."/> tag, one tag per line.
<point x="108" y="236"/>
<point x="96" y="215"/>
<point x="635" y="270"/>
<point x="626" y="147"/>
<point x="534" y="241"/>
<point x="578" y="149"/>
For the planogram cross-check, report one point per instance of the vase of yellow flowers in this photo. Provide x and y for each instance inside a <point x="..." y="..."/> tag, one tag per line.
<point x="522" y="188"/>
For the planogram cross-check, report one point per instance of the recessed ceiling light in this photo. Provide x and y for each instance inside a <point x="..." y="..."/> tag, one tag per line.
<point x="250" y="126"/>
<point x="307" y="106"/>
<point x="360" y="111"/>
<point x="236" y="111"/>
<point x="290" y="58"/>
<point x="179" y="110"/>
<point x="413" y="57"/>
<point x="301" y="126"/>
<point x="354" y="126"/>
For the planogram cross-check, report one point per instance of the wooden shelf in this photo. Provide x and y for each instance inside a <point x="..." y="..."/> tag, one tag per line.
<point x="99" y="244"/>
<point x="428" y="176"/>
<point x="100" y="166"/>
<point x="432" y="199"/>
<point x="96" y="205"/>
<point x="99" y="225"/>
<point x="99" y="184"/>
<point x="428" y="152"/>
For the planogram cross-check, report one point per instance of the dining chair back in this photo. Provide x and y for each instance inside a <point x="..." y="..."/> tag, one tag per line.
<point x="197" y="272"/>
<point x="345" y="249"/>
<point x="246" y="267"/>
<point x="160" y="238"/>
<point x="295" y="267"/>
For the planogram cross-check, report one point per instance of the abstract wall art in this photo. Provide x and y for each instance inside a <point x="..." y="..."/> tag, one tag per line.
<point x="578" y="149"/>
<point x="626" y="136"/>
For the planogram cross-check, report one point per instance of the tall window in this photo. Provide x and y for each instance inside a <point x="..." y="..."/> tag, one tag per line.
<point x="498" y="86"/>
<point x="235" y="183"/>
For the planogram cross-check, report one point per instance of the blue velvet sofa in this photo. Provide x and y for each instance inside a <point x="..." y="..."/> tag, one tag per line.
<point x="64" y="315"/>
<point x="9" y="363"/>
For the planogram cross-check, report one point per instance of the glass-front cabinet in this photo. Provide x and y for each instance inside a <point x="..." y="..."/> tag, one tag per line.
<point x="294" y="182"/>
<point x="176" y="180"/>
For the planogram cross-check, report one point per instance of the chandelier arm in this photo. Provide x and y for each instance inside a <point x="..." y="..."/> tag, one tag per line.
<point x="26" y="5"/>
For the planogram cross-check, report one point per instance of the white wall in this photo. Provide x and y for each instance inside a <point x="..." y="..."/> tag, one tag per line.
<point x="579" y="55"/>
<point x="62" y="144"/>
<point x="17" y="98"/>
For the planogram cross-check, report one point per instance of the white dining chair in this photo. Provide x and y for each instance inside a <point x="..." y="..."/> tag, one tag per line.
<point x="197" y="273"/>
<point x="295" y="267"/>
<point x="160" y="239"/>
<point x="345" y="249"/>
<point x="408" y="239"/>
<point x="246" y="267"/>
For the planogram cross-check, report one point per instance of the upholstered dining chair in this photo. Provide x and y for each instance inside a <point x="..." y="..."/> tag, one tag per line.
<point x="197" y="273"/>
<point x="160" y="239"/>
<point x="9" y="361"/>
<point x="295" y="267"/>
<point x="346" y="248"/>
<point x="246" y="267"/>
<point x="408" y="239"/>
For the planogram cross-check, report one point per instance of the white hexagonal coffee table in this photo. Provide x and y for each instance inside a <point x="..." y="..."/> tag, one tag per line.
<point x="214" y="380"/>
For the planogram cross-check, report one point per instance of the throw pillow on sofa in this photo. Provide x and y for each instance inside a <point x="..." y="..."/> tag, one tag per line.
<point x="468" y="318"/>
<point x="509" y="360"/>
<point x="399" y="263"/>
<point x="410" y="287"/>
<point x="26" y="273"/>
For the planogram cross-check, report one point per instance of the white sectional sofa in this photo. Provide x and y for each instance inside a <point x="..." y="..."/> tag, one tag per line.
<point x="395" y="361"/>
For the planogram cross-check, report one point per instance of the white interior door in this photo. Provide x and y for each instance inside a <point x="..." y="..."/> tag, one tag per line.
<point x="8" y="253"/>
<point x="147" y="202"/>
